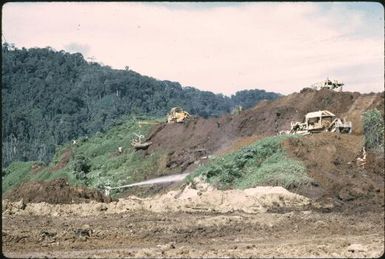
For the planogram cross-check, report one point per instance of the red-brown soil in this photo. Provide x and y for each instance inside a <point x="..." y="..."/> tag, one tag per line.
<point x="331" y="162"/>
<point x="57" y="191"/>
<point x="64" y="159"/>
<point x="187" y="142"/>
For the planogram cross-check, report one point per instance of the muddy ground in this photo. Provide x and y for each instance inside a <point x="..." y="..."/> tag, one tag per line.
<point x="195" y="234"/>
<point x="194" y="222"/>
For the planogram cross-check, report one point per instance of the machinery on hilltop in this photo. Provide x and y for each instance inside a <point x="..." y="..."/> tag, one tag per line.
<point x="328" y="84"/>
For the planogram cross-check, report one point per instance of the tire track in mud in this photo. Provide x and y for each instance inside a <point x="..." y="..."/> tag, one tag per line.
<point x="179" y="234"/>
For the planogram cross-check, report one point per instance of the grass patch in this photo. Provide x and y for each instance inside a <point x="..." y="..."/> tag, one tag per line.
<point x="262" y="163"/>
<point x="105" y="165"/>
<point x="16" y="173"/>
<point x="45" y="175"/>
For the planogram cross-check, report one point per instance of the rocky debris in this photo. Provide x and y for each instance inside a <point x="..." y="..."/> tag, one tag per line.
<point x="47" y="236"/>
<point x="345" y="195"/>
<point x="83" y="233"/>
<point x="168" y="246"/>
<point x="325" y="205"/>
<point x="20" y="205"/>
<point x="354" y="248"/>
<point x="101" y="207"/>
<point x="9" y="207"/>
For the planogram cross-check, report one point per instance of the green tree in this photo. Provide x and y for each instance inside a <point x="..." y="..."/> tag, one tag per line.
<point x="81" y="166"/>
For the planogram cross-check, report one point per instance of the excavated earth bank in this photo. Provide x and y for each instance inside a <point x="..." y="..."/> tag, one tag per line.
<point x="57" y="191"/>
<point x="187" y="143"/>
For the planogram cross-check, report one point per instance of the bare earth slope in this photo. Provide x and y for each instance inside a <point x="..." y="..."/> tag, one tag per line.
<point x="330" y="160"/>
<point x="189" y="141"/>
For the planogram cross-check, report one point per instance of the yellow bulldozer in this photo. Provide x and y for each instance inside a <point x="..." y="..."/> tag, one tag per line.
<point x="177" y="114"/>
<point x="321" y="121"/>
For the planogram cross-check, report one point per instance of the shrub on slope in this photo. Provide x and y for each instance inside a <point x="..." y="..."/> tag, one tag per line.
<point x="262" y="163"/>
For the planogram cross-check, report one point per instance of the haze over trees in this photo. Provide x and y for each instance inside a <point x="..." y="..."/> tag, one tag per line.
<point x="51" y="97"/>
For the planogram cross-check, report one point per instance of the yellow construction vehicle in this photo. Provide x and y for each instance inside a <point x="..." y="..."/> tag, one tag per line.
<point x="177" y="114"/>
<point x="321" y="121"/>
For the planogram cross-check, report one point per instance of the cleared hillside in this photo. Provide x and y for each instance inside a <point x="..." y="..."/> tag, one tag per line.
<point x="230" y="132"/>
<point x="51" y="97"/>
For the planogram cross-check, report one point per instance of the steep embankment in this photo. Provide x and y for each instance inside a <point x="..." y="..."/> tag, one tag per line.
<point x="187" y="142"/>
<point x="338" y="180"/>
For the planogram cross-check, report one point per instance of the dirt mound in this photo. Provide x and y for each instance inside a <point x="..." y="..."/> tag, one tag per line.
<point x="194" y="140"/>
<point x="57" y="191"/>
<point x="199" y="197"/>
<point x="204" y="197"/>
<point x="331" y="161"/>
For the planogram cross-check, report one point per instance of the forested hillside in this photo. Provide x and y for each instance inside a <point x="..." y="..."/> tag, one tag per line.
<point x="51" y="97"/>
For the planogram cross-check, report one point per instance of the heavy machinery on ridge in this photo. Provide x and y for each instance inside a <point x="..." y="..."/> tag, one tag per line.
<point x="177" y="114"/>
<point x="328" y="84"/>
<point x="321" y="121"/>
